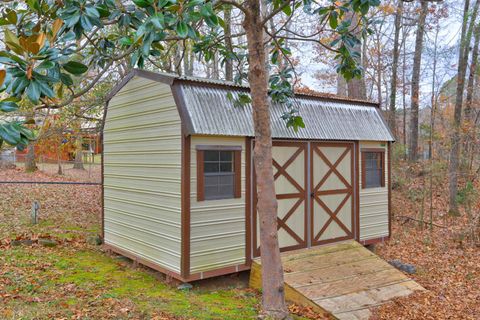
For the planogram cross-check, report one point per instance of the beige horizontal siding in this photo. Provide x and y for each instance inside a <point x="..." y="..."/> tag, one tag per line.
<point x="142" y="169"/>
<point x="217" y="226"/>
<point x="374" y="202"/>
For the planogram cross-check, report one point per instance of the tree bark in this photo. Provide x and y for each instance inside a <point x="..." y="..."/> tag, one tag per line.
<point x="404" y="103"/>
<point x="30" y="164"/>
<point x="341" y="86"/>
<point x="396" y="54"/>
<point x="273" y="303"/>
<point x="469" y="146"/>
<point x="356" y="87"/>
<point x="433" y="99"/>
<point x="457" y="116"/>
<point x="78" y="162"/>
<point x="417" y="61"/>
<point x="228" y="42"/>
<point x="472" y="74"/>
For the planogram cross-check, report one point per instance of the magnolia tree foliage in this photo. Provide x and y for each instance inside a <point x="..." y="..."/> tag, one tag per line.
<point x="49" y="46"/>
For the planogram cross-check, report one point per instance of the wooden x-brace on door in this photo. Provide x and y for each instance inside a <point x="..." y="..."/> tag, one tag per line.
<point x="332" y="209"/>
<point x="289" y="167"/>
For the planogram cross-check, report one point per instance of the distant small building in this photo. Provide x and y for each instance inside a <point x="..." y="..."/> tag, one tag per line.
<point x="7" y="158"/>
<point x="179" y="192"/>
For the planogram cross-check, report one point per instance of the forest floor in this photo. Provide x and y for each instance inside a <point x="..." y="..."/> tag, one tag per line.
<point x="76" y="279"/>
<point x="446" y="258"/>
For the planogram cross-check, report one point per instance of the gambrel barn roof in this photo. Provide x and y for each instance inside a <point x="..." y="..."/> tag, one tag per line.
<point x="206" y="110"/>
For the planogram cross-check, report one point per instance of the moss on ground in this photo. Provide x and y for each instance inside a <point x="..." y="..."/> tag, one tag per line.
<point x="66" y="282"/>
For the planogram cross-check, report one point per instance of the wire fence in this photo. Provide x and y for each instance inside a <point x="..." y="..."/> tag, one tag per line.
<point x="54" y="171"/>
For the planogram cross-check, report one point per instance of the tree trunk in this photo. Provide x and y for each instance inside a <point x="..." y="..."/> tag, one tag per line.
<point x="433" y="101"/>
<point x="457" y="116"/>
<point x="404" y="103"/>
<point x="469" y="114"/>
<point x="356" y="87"/>
<point x="78" y="163"/>
<point x="396" y="54"/>
<point x="273" y="303"/>
<point x="341" y="86"/>
<point x="417" y="61"/>
<point x="30" y="164"/>
<point x="472" y="75"/>
<point x="228" y="42"/>
<point x="178" y="59"/>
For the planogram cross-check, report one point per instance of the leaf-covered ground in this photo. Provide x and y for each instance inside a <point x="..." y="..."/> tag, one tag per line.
<point x="76" y="279"/>
<point x="447" y="261"/>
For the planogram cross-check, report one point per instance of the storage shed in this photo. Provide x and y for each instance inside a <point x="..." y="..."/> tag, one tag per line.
<point x="179" y="187"/>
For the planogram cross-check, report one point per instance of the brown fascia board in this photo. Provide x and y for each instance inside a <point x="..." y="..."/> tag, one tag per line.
<point x="171" y="79"/>
<point x="187" y="125"/>
<point x="176" y="82"/>
<point x="139" y="73"/>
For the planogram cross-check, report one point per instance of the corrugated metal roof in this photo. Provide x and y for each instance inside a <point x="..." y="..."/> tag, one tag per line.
<point x="210" y="112"/>
<point x="205" y="109"/>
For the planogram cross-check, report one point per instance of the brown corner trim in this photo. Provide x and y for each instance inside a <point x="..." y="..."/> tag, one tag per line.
<point x="248" y="201"/>
<point x="389" y="168"/>
<point x="102" y="222"/>
<point x="357" y="188"/>
<point x="185" y="207"/>
<point x="200" y="175"/>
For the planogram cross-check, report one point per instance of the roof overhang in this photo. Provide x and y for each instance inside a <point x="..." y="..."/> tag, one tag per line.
<point x="205" y="109"/>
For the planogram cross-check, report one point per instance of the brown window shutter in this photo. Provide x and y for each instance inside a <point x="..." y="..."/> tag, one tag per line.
<point x="237" y="166"/>
<point x="383" y="169"/>
<point x="200" y="173"/>
<point x="363" y="171"/>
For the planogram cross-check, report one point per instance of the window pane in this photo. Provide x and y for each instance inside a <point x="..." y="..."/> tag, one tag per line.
<point x="226" y="155"/>
<point x="211" y="167"/>
<point x="219" y="176"/>
<point x="225" y="191"/>
<point x="211" y="192"/>
<point x="226" y="167"/>
<point x="212" y="155"/>
<point x="373" y="178"/>
<point x="210" y="180"/>
<point x="373" y="169"/>
<point x="225" y="180"/>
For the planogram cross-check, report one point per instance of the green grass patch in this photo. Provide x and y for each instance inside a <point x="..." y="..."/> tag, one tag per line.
<point x="65" y="281"/>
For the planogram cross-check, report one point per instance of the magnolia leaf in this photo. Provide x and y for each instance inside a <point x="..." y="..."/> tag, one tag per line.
<point x="75" y="67"/>
<point x="3" y="75"/>
<point x="66" y="79"/>
<point x="57" y="24"/>
<point x="40" y="40"/>
<point x="9" y="134"/>
<point x="8" y="106"/>
<point x="13" y="42"/>
<point x="182" y="29"/>
<point x="12" y="17"/>
<point x="33" y="91"/>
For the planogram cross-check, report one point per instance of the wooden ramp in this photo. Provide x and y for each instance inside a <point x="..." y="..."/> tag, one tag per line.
<point x="345" y="279"/>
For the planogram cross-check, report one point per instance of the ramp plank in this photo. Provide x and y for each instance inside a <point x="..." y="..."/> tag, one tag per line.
<point x="344" y="279"/>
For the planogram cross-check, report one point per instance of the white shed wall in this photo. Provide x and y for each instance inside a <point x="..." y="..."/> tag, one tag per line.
<point x="142" y="169"/>
<point x="374" y="201"/>
<point x="217" y="226"/>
